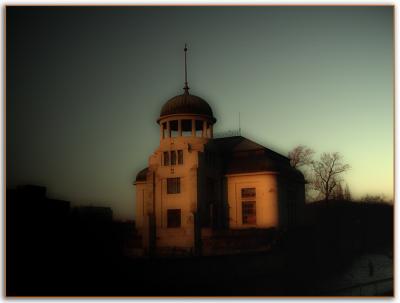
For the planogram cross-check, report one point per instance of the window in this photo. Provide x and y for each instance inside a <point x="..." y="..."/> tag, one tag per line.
<point x="180" y="156"/>
<point x="199" y="128"/>
<point x="165" y="130"/>
<point x="248" y="205"/>
<point x="248" y="192"/>
<point x="173" y="157"/>
<point x="173" y="218"/>
<point x="166" y="158"/>
<point x="249" y="212"/>
<point x="186" y="128"/>
<point x="173" y="185"/>
<point x="174" y="128"/>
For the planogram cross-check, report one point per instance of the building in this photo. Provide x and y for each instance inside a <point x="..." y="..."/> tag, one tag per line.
<point x="195" y="185"/>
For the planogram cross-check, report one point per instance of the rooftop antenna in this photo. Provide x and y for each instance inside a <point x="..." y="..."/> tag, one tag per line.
<point x="186" y="88"/>
<point x="240" y="133"/>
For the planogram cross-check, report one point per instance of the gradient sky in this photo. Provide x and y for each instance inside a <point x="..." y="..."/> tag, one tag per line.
<point x="85" y="87"/>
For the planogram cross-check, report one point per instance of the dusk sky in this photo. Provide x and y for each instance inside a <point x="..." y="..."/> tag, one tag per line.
<point x="85" y="87"/>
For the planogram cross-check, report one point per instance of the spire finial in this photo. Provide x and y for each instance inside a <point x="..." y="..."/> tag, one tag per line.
<point x="186" y="88"/>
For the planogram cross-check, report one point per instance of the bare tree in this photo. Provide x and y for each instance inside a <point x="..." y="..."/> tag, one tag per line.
<point x="301" y="159"/>
<point x="300" y="156"/>
<point x="327" y="173"/>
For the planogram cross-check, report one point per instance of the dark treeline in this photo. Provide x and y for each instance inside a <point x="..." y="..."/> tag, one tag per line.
<point x="354" y="227"/>
<point x="53" y="249"/>
<point x="336" y="234"/>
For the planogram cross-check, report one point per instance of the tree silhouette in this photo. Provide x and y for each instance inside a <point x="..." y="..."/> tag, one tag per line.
<point x="374" y="199"/>
<point x="300" y="156"/>
<point x="327" y="173"/>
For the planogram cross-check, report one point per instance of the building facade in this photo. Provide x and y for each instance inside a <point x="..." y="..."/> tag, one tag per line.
<point x="195" y="185"/>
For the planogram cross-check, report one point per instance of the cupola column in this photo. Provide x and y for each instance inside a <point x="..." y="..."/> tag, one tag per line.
<point x="162" y="130"/>
<point x="193" y="128"/>
<point x="204" y="132"/>
<point x="180" y="128"/>
<point x="211" y="131"/>
<point x="168" y="130"/>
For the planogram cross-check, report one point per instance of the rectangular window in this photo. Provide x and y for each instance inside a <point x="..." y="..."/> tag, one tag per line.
<point x="174" y="128"/>
<point x="249" y="212"/>
<point x="186" y="128"/>
<point x="173" y="157"/>
<point x="180" y="156"/>
<point x="248" y="192"/>
<point x="199" y="128"/>
<point x="173" y="218"/>
<point x="173" y="185"/>
<point x="166" y="158"/>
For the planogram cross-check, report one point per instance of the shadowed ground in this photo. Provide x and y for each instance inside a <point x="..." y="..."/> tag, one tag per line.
<point x="55" y="250"/>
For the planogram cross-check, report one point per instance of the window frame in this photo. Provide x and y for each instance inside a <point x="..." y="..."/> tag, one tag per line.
<point x="248" y="196"/>
<point x="166" y="158"/>
<point x="249" y="212"/>
<point x="173" y="157"/>
<point x="174" y="218"/>
<point x="179" y="156"/>
<point x="251" y="193"/>
<point x="172" y="187"/>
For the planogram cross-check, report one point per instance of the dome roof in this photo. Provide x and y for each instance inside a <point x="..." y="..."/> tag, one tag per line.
<point x="187" y="104"/>
<point x="141" y="176"/>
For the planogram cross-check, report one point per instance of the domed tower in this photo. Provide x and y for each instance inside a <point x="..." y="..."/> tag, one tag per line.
<point x="169" y="192"/>
<point x="186" y="115"/>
